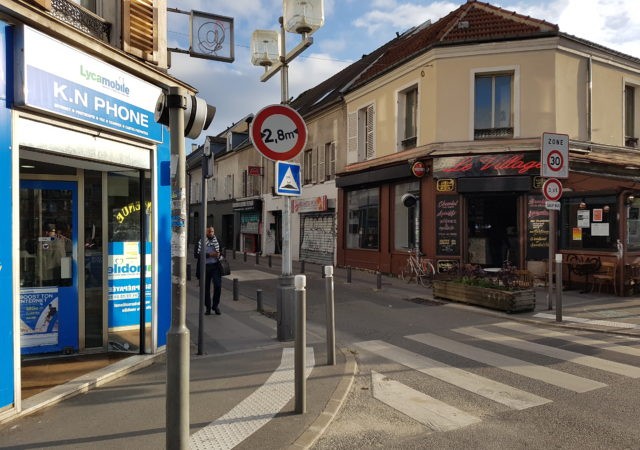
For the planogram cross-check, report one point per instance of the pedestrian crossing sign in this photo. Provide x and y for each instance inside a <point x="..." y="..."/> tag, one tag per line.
<point x="288" y="178"/>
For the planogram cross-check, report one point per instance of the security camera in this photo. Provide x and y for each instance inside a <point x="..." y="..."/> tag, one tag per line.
<point x="409" y="200"/>
<point x="198" y="115"/>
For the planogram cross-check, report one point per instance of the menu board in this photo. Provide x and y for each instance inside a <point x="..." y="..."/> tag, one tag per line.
<point x="537" y="228"/>
<point x="447" y="224"/>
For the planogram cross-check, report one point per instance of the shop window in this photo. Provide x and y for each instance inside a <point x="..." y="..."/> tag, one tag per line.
<point x="589" y="223"/>
<point x="633" y="223"/>
<point x="407" y="117"/>
<point x="406" y="215"/>
<point x="363" y="222"/>
<point x="630" y="126"/>
<point x="493" y="108"/>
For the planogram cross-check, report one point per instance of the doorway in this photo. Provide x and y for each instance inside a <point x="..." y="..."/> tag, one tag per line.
<point x="492" y="223"/>
<point x="48" y="267"/>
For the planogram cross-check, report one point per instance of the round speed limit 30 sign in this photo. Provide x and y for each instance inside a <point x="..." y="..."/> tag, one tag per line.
<point x="278" y="132"/>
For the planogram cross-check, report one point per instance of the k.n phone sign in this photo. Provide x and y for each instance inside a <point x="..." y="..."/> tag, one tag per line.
<point x="487" y="165"/>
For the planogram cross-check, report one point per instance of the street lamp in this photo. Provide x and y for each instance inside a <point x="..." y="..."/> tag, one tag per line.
<point x="268" y="49"/>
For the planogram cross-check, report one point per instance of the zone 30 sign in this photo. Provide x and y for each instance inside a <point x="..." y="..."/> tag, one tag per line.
<point x="555" y="155"/>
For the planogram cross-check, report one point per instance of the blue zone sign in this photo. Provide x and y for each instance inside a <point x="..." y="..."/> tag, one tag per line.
<point x="59" y="79"/>
<point x="288" y="179"/>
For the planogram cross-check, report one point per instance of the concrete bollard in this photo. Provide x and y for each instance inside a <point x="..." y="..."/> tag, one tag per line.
<point x="378" y="280"/>
<point x="235" y="290"/>
<point x="349" y="274"/>
<point x="257" y="258"/>
<point x="259" y="307"/>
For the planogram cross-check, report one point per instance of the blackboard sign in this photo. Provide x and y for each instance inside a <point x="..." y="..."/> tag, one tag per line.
<point x="537" y="228"/>
<point x="447" y="224"/>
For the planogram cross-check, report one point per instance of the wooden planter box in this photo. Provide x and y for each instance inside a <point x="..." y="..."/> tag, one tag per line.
<point x="509" y="301"/>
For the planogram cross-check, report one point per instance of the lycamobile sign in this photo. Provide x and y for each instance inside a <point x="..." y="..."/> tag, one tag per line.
<point x="83" y="88"/>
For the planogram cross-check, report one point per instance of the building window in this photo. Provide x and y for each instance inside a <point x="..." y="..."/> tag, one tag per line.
<point x="592" y="223"/>
<point x="308" y="166"/>
<point x="406" y="215"/>
<point x="630" y="135"/>
<point x="363" y="222"/>
<point x="493" y="112"/>
<point x="366" y="133"/>
<point x="407" y="117"/>
<point x="329" y="161"/>
<point x="633" y="224"/>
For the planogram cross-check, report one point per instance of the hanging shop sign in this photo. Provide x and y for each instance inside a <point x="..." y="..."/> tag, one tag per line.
<point x="446" y="185"/>
<point x="254" y="170"/>
<point x="314" y="204"/>
<point x="487" y="165"/>
<point x="82" y="88"/>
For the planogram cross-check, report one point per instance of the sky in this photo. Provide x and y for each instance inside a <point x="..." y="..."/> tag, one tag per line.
<point x="351" y="29"/>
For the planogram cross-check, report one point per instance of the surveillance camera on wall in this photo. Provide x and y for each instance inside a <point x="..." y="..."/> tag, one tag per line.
<point x="409" y="200"/>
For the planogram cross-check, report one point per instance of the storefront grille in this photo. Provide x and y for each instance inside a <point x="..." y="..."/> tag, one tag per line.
<point x="80" y="18"/>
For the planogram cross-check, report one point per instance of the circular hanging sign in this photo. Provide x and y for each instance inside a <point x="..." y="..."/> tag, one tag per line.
<point x="552" y="189"/>
<point x="278" y="132"/>
<point x="419" y="169"/>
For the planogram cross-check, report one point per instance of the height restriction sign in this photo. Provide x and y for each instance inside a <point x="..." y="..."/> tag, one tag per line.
<point x="555" y="155"/>
<point x="278" y="132"/>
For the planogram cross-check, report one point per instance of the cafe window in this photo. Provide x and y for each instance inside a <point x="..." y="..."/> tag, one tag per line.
<point x="363" y="223"/>
<point x="406" y="215"/>
<point x="633" y="223"/>
<point x="589" y="223"/>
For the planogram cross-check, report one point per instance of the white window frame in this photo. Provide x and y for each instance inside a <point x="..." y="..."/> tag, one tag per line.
<point x="402" y="137"/>
<point x="329" y="161"/>
<point x="635" y="84"/>
<point x="515" y="102"/>
<point x="307" y="166"/>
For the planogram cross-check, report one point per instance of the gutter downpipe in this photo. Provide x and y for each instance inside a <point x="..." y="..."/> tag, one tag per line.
<point x="589" y="99"/>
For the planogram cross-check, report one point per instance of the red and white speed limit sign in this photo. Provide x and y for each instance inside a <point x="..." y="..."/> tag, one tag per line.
<point x="278" y="132"/>
<point x="555" y="155"/>
<point x="552" y="189"/>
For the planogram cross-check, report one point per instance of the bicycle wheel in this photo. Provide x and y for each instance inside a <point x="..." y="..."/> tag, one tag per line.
<point x="405" y="274"/>
<point x="429" y="273"/>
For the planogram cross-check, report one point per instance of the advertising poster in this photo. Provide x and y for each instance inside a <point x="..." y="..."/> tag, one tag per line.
<point x="123" y="272"/>
<point x="39" y="317"/>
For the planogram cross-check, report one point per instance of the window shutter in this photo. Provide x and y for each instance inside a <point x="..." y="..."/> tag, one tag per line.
<point x="140" y="28"/>
<point x="321" y="157"/>
<point x="314" y="165"/>
<point x="352" y="137"/>
<point x="331" y="168"/>
<point x="370" y="150"/>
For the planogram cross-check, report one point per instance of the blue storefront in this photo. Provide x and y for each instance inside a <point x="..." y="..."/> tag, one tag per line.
<point x="85" y="188"/>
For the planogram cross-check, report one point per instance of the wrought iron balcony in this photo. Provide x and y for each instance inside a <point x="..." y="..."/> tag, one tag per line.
<point x="84" y="20"/>
<point x="493" y="133"/>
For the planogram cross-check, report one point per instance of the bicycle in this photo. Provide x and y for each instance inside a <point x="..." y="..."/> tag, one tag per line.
<point x="417" y="267"/>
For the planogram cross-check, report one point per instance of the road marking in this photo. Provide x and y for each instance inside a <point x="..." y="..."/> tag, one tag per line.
<point x="493" y="390"/>
<point x="517" y="366"/>
<point x="543" y="332"/>
<point x="255" y="411"/>
<point x="604" y="323"/>
<point x="427" y="410"/>
<point x="557" y="353"/>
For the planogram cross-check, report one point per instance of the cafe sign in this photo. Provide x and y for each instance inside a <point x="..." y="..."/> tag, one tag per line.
<point x="487" y="165"/>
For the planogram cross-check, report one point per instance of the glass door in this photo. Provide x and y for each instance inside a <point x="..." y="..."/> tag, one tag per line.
<point x="48" y="267"/>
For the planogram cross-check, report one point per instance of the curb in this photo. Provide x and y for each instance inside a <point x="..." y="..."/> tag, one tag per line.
<point x="307" y="439"/>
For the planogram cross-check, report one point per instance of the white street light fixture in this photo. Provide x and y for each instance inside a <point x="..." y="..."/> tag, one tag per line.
<point x="265" y="47"/>
<point x="303" y="16"/>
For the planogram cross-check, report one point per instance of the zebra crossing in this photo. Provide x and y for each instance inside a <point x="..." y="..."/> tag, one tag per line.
<point x="440" y="416"/>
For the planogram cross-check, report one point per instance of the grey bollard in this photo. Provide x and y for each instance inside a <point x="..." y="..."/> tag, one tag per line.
<point x="302" y="266"/>
<point x="300" y="345"/>
<point x="269" y="258"/>
<point x="558" y="287"/>
<point x="235" y="290"/>
<point x="257" y="258"/>
<point x="259" y="307"/>
<point x="245" y="256"/>
<point x="188" y="272"/>
<point x="331" y="320"/>
<point x="349" y="274"/>
<point x="378" y="280"/>
<point x="234" y="253"/>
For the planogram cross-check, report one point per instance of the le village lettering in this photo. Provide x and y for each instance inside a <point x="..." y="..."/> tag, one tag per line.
<point x="487" y="165"/>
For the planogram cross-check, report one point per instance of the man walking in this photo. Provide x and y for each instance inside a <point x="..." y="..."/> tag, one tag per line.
<point x="212" y="271"/>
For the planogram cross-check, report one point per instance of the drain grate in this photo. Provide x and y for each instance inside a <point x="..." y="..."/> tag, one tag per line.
<point x="424" y="301"/>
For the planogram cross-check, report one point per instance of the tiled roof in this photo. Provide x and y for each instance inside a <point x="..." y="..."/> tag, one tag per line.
<point x="472" y="22"/>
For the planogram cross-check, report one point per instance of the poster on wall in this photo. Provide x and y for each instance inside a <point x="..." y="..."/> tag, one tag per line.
<point x="583" y="219"/>
<point x="39" y="309"/>
<point x="123" y="273"/>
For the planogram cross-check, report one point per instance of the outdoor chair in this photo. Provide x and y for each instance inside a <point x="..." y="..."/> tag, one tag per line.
<point x="606" y="276"/>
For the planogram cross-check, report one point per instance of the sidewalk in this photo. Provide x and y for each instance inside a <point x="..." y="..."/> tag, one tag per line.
<point x="236" y="382"/>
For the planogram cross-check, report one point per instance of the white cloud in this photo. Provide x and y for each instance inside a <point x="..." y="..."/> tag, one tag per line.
<point x="401" y="17"/>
